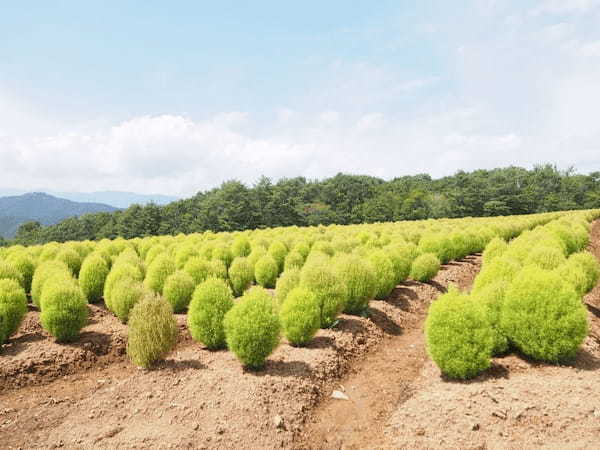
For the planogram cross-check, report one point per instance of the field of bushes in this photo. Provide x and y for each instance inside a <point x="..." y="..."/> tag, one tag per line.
<point x="246" y="291"/>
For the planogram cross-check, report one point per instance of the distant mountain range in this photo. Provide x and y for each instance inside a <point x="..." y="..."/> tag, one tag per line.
<point x="41" y="207"/>
<point x="113" y="198"/>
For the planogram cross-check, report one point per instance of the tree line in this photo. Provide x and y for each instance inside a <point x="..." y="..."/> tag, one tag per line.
<point x="342" y="199"/>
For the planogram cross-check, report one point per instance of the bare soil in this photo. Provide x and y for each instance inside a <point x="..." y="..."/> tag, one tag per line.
<point x="88" y="395"/>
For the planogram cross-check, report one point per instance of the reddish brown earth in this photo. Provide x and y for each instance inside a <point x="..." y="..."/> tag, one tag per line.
<point x="88" y="395"/>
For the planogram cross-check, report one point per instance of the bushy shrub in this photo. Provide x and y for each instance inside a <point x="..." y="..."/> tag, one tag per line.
<point x="330" y="291"/>
<point x="323" y="246"/>
<point x="359" y="277"/>
<point x="178" y="290"/>
<point x="401" y="262"/>
<point x="158" y="271"/>
<point x="13" y="307"/>
<point x="301" y="247"/>
<point x="152" y="330"/>
<point x="117" y="273"/>
<point x="494" y="249"/>
<point x="385" y="275"/>
<point x="502" y="268"/>
<point x="92" y="276"/>
<point x="153" y="253"/>
<point x="222" y="253"/>
<point x="255" y="255"/>
<point x="64" y="310"/>
<point x="210" y="302"/>
<point x="266" y="271"/>
<point x="293" y="259"/>
<point x="49" y="251"/>
<point x="71" y="258"/>
<point x="438" y="244"/>
<point x="459" y="336"/>
<point x="25" y="266"/>
<point x="198" y="268"/>
<point x="184" y="254"/>
<point x="47" y="270"/>
<point x="278" y="252"/>
<point x="300" y="316"/>
<point x="425" y="267"/>
<point x="588" y="266"/>
<point x="126" y="293"/>
<point x="492" y="297"/>
<point x="252" y="328"/>
<point x="10" y="272"/>
<point x="218" y="269"/>
<point x="288" y="280"/>
<point x="241" y="275"/>
<point x="543" y="315"/>
<point x="240" y="246"/>
<point x="545" y="257"/>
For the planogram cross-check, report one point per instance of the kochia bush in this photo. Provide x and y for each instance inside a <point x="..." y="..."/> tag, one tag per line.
<point x="360" y="280"/>
<point x="152" y="330"/>
<point x="252" y="328"/>
<point x="266" y="271"/>
<point x="47" y="270"/>
<point x="425" y="267"/>
<point x="330" y="291"/>
<point x="494" y="249"/>
<point x="127" y="292"/>
<point x="545" y="257"/>
<point x="117" y="273"/>
<point x="588" y="266"/>
<point x="13" y="307"/>
<point x="459" y="335"/>
<point x="288" y="280"/>
<point x="92" y="276"/>
<point x="25" y="266"/>
<point x="71" y="258"/>
<point x="492" y="297"/>
<point x="210" y="302"/>
<point x="10" y="272"/>
<point x="241" y="275"/>
<point x="300" y="316"/>
<point x="158" y="271"/>
<point x="543" y="315"/>
<point x="178" y="290"/>
<point x="64" y="309"/>
<point x="198" y="268"/>
<point x="241" y="246"/>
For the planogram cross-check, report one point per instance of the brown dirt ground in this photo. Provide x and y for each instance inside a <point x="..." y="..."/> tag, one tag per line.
<point x="88" y="395"/>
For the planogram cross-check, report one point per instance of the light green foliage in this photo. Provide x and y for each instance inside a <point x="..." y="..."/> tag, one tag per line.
<point x="25" y="266"/>
<point x="385" y="275"/>
<point x="218" y="269"/>
<point x="64" y="310"/>
<point x="300" y="316"/>
<point x="459" y="335"/>
<point x="178" y="290"/>
<point x="92" y="276"/>
<point x="184" y="254"/>
<point x="401" y="260"/>
<point x="13" y="307"/>
<point x="293" y="259"/>
<point x="8" y="271"/>
<point x="241" y="275"/>
<point x="126" y="293"/>
<point x="438" y="244"/>
<point x="161" y="267"/>
<point x="278" y="252"/>
<point x="502" y="268"/>
<point x="240" y="246"/>
<point x="587" y="265"/>
<point x="117" y="273"/>
<point x="330" y="291"/>
<point x="266" y="271"/>
<point x="492" y="297"/>
<point x="545" y="257"/>
<point x="252" y="328"/>
<point x="49" y="251"/>
<point x="152" y="330"/>
<point x="425" y="267"/>
<point x="47" y="270"/>
<point x="288" y="280"/>
<point x="153" y="252"/>
<point x="323" y="246"/>
<point x="359" y="277"/>
<point x="71" y="258"/>
<point x="210" y="302"/>
<point x="222" y="253"/>
<point x="198" y="268"/>
<point x="543" y="315"/>
<point x="301" y="247"/>
<point x="494" y="249"/>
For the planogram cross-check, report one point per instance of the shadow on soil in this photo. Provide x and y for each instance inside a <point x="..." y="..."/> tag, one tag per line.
<point x="17" y="345"/>
<point x="297" y="369"/>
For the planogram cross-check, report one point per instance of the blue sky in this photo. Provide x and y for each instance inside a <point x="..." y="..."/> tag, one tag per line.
<point x="175" y="97"/>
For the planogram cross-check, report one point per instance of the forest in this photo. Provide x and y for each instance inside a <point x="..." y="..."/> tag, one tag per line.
<point x="342" y="199"/>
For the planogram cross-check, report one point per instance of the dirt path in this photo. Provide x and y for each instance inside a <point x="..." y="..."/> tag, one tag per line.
<point x="88" y="395"/>
<point x="382" y="380"/>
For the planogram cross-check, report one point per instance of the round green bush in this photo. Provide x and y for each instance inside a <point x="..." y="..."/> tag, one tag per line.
<point x="158" y="271"/>
<point x="288" y="280"/>
<point x="301" y="247"/>
<point x="502" y="268"/>
<point x="153" y="252"/>
<point x="241" y="275"/>
<point x="252" y="328"/>
<point x="152" y="330"/>
<point x="210" y="302"/>
<point x="218" y="269"/>
<point x="266" y="271"/>
<point x="184" y="254"/>
<point x="293" y="259"/>
<point x="543" y="315"/>
<point x="300" y="316"/>
<point x="49" y="251"/>
<point x="71" y="258"/>
<point x="47" y="270"/>
<point x="178" y="290"/>
<point x="92" y="276"/>
<point x="25" y="266"/>
<point x="459" y="335"/>
<point x="241" y="246"/>
<point x="437" y="244"/>
<point x="588" y="264"/>
<point x="401" y="260"/>
<point x="10" y="272"/>
<point x="492" y="297"/>
<point x="222" y="253"/>
<point x="127" y="292"/>
<point x="385" y="276"/>
<point x="64" y="309"/>
<point x="278" y="252"/>
<point x="494" y="249"/>
<point x="360" y="280"/>
<point x="425" y="267"/>
<point x="13" y="307"/>
<point x="324" y="247"/>
<point x="330" y="291"/>
<point x="198" y="268"/>
<point x="117" y="273"/>
<point x="545" y="257"/>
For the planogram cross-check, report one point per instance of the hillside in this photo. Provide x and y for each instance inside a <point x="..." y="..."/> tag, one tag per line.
<point x="43" y="208"/>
